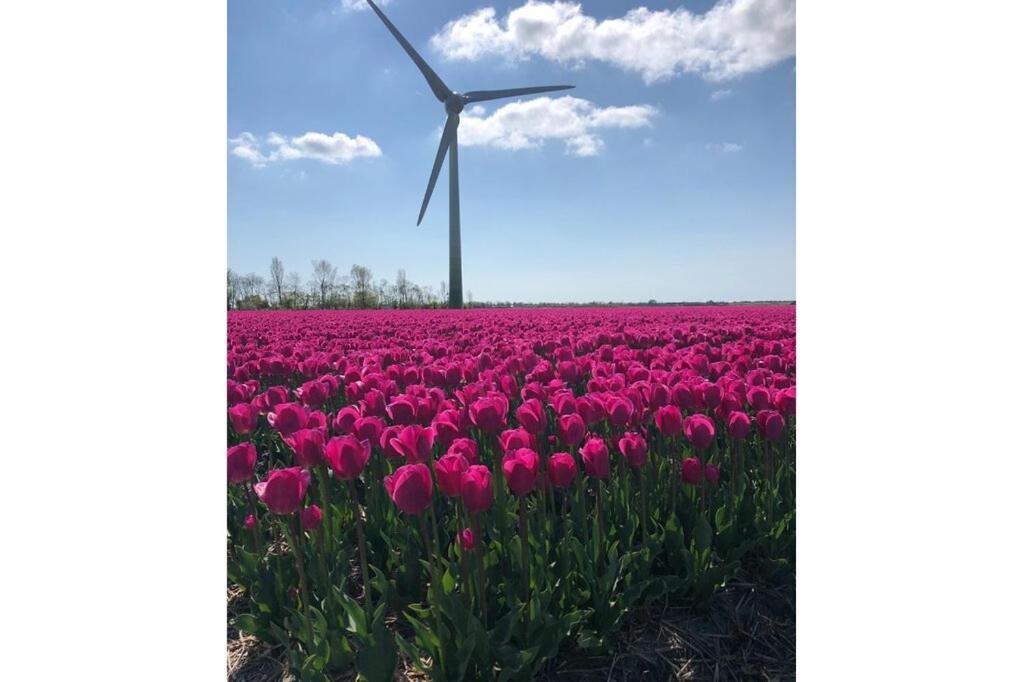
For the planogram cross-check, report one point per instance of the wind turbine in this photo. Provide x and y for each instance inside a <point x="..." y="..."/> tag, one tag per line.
<point x="454" y="103"/>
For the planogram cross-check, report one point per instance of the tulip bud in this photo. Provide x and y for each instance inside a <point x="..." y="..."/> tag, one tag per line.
<point x="467" y="540"/>
<point x="692" y="470"/>
<point x="711" y="473"/>
<point x="312" y="517"/>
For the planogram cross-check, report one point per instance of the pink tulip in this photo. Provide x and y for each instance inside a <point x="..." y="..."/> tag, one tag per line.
<point x="489" y="414"/>
<point x="699" y="430"/>
<point x="520" y="470"/>
<point x="308" y="446"/>
<point x="241" y="462"/>
<point x="311" y="517"/>
<point x="771" y="425"/>
<point x="692" y="470"/>
<point x="347" y="456"/>
<point x="634" y="448"/>
<point x="711" y="473"/>
<point x="532" y="417"/>
<point x="345" y="420"/>
<point x="477" y="492"/>
<point x="467" y="540"/>
<point x="738" y="425"/>
<point x="244" y="418"/>
<point x="571" y="429"/>
<point x="595" y="458"/>
<point x="669" y="420"/>
<point x="561" y="469"/>
<point x="284" y="489"/>
<point x="410" y="488"/>
<point x="466" y="447"/>
<point x="288" y="418"/>
<point x="414" y="443"/>
<point x="449" y="469"/>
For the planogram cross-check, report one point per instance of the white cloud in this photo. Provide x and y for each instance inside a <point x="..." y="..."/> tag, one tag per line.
<point x="724" y="147"/>
<point x="359" y="5"/>
<point x="528" y="124"/>
<point x="334" y="149"/>
<point x="720" y="95"/>
<point x="732" y="38"/>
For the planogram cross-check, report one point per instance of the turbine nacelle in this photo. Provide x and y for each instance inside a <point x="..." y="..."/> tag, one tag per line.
<point x="454" y="104"/>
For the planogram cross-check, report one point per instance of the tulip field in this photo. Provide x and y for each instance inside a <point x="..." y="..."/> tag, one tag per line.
<point x="471" y="494"/>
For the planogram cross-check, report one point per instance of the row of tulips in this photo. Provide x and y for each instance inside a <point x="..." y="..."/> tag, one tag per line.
<point x="477" y="528"/>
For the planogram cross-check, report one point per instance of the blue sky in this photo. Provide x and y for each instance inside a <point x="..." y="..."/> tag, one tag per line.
<point x="670" y="174"/>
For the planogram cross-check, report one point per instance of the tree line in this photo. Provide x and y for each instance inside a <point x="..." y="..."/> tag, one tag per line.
<point x="326" y="289"/>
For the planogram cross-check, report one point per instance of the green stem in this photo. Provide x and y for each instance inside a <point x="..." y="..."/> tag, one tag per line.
<point x="296" y="543"/>
<point x="361" y="539"/>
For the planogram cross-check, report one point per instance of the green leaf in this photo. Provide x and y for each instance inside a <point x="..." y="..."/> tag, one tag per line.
<point x="702" y="534"/>
<point x="376" y="663"/>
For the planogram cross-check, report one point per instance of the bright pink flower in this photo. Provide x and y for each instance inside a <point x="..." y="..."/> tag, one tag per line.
<point x="308" y="446"/>
<point x="711" y="473"/>
<point x="402" y="410"/>
<point x="595" y="458"/>
<point x="520" y="470"/>
<point x="449" y="469"/>
<point x="467" y="540"/>
<point x="345" y="419"/>
<point x="571" y="429"/>
<point x="466" y="447"/>
<point x="244" y="418"/>
<point x="699" y="430"/>
<point x="619" y="411"/>
<point x="477" y="492"/>
<point x="489" y="414"/>
<point x="386" y="436"/>
<point x="532" y="417"/>
<point x="241" y="462"/>
<point x="448" y="425"/>
<point x="347" y="456"/>
<point x="785" y="401"/>
<point x="711" y="394"/>
<point x="368" y="428"/>
<point x="669" y="420"/>
<point x="692" y="470"/>
<point x="288" y="418"/>
<point x="634" y="448"/>
<point x="410" y="488"/>
<point x="314" y="393"/>
<point x="738" y="425"/>
<point x="561" y="469"/>
<point x="771" y="425"/>
<point x="250" y="522"/>
<point x="284" y="489"/>
<point x="682" y="397"/>
<point x="414" y="443"/>
<point x="513" y="439"/>
<point x="759" y="398"/>
<point x="311" y="517"/>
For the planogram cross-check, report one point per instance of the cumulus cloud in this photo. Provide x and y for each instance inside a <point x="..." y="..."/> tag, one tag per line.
<point x="720" y="95"/>
<point x="359" y="5"/>
<point x="732" y="38"/>
<point x="334" y="149"/>
<point x="528" y="124"/>
<point x="724" y="147"/>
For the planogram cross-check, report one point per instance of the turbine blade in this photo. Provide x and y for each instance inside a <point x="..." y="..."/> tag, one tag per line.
<point x="446" y="140"/>
<point x="441" y="91"/>
<point x="484" y="95"/>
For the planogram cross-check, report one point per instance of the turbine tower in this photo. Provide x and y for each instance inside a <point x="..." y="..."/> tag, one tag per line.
<point x="454" y="103"/>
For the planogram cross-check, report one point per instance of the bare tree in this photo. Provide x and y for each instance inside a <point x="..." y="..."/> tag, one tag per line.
<point x="402" y="288"/>
<point x="444" y="291"/>
<point x="232" y="289"/>
<point x="362" y="286"/>
<point x="277" y="279"/>
<point x="324" y="275"/>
